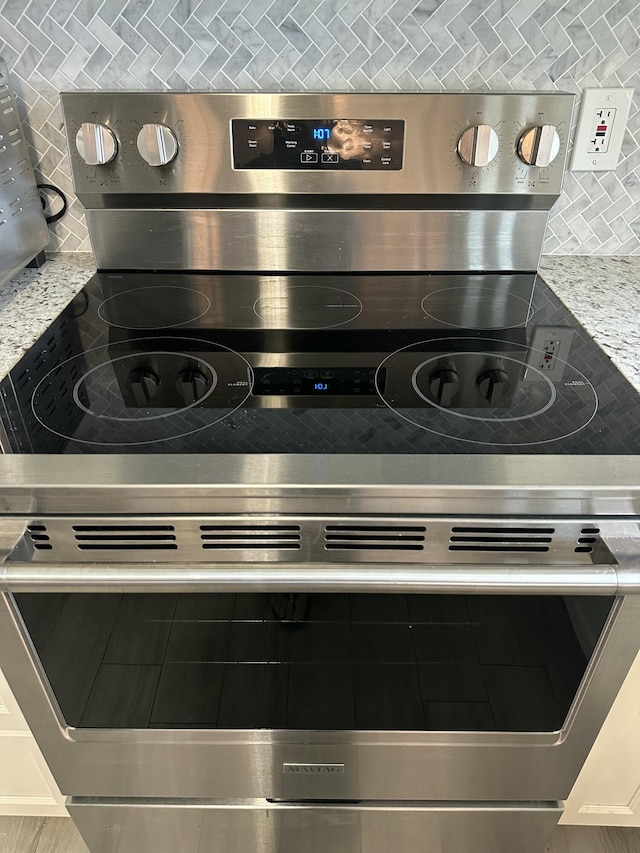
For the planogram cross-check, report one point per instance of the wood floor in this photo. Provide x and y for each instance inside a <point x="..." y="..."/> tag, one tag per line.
<point x="58" y="835"/>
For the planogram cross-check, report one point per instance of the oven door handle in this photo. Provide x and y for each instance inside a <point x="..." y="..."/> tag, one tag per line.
<point x="232" y="577"/>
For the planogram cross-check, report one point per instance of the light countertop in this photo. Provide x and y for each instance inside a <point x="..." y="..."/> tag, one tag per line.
<point x="602" y="292"/>
<point x="34" y="298"/>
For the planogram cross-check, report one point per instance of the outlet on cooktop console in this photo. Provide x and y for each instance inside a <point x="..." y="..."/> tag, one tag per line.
<point x="373" y="144"/>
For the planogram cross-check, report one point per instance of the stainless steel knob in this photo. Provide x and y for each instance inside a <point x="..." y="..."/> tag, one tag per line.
<point x="157" y="144"/>
<point x="192" y="385"/>
<point x="96" y="144"/>
<point x="493" y="385"/>
<point x="143" y="384"/>
<point x="478" y="145"/>
<point x="444" y="385"/>
<point x="539" y="146"/>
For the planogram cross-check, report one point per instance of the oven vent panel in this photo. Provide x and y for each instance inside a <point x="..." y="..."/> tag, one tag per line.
<point x="587" y="541"/>
<point x="513" y="540"/>
<point x="39" y="537"/>
<point x="316" y="539"/>
<point x="252" y="537"/>
<point x="374" y="537"/>
<point x="137" y="537"/>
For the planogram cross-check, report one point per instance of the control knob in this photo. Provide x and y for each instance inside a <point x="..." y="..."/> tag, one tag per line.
<point x="96" y="144"/>
<point x="478" y="145"/>
<point x="192" y="385"/>
<point x="157" y="144"/>
<point x="539" y="146"/>
<point x="493" y="385"/>
<point x="443" y="386"/>
<point x="144" y="384"/>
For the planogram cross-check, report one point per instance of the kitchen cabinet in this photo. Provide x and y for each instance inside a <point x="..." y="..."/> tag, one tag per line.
<point x="607" y="791"/>
<point x="26" y="784"/>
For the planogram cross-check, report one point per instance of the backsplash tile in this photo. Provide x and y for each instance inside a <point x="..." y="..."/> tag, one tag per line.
<point x="333" y="44"/>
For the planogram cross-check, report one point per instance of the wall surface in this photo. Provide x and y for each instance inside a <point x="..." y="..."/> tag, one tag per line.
<point x="336" y="44"/>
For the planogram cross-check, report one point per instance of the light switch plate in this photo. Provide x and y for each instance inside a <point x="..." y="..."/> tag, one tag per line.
<point x="600" y="131"/>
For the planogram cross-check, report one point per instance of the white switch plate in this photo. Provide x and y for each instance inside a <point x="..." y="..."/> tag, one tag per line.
<point x="600" y="131"/>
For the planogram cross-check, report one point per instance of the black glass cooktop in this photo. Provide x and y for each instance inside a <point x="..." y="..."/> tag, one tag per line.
<point x="207" y="363"/>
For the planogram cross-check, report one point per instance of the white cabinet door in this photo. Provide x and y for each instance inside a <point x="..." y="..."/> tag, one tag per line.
<point x="26" y="784"/>
<point x="607" y="792"/>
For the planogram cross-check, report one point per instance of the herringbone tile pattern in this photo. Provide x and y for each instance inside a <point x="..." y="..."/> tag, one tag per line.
<point x="336" y="44"/>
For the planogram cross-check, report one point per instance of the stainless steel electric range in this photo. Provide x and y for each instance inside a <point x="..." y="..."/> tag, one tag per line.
<point x="319" y="513"/>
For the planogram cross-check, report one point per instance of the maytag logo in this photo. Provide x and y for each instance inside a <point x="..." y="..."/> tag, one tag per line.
<point x="313" y="769"/>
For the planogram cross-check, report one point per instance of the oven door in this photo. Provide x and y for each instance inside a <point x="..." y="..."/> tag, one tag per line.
<point x="457" y="683"/>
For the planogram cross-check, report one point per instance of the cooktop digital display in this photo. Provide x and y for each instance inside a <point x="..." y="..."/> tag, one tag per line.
<point x="326" y="144"/>
<point x="390" y="364"/>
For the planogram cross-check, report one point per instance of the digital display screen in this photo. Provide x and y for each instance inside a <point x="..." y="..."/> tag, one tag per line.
<point x="320" y="381"/>
<point x="325" y="144"/>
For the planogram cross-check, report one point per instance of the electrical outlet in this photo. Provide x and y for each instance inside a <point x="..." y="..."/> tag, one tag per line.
<point x="549" y="350"/>
<point x="600" y="135"/>
<point x="600" y="130"/>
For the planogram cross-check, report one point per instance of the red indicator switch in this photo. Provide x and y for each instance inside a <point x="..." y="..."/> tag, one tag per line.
<point x="602" y="127"/>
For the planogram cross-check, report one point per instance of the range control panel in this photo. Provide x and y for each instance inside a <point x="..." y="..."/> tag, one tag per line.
<point x="315" y="143"/>
<point x="327" y="144"/>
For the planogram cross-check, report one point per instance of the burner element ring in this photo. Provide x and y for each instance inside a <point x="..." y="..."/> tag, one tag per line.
<point x="307" y="306"/>
<point x="158" y="306"/>
<point x="203" y="365"/>
<point x="460" y="414"/>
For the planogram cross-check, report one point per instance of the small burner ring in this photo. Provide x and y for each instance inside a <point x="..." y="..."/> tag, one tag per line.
<point x="308" y="306"/>
<point x="474" y="312"/>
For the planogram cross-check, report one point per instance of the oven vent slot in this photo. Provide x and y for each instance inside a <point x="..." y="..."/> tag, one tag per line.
<point x="261" y="537"/>
<point x="502" y="539"/>
<point x="39" y="537"/>
<point x="587" y="540"/>
<point x="372" y="537"/>
<point x="135" y="537"/>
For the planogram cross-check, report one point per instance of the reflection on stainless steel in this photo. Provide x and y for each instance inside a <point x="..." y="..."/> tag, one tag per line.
<point x="454" y="580"/>
<point x="474" y="615"/>
<point x="348" y="139"/>
<point x="289" y="828"/>
<point x="296" y="239"/>
<point x="504" y="486"/>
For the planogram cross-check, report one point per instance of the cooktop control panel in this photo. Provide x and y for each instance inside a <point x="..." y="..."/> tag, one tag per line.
<point x="327" y="144"/>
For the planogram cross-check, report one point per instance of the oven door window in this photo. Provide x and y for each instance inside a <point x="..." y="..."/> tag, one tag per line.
<point x="331" y="662"/>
